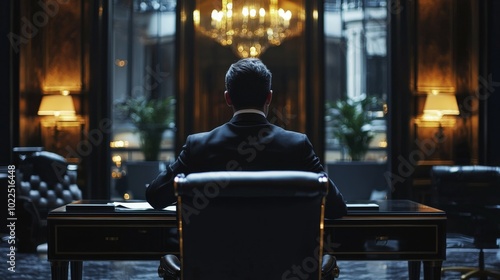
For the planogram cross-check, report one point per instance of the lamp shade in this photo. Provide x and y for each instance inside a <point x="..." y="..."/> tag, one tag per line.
<point x="438" y="105"/>
<point x="57" y="105"/>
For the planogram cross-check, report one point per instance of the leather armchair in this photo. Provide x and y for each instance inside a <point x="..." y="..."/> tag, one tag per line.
<point x="250" y="225"/>
<point x="470" y="197"/>
<point x="44" y="181"/>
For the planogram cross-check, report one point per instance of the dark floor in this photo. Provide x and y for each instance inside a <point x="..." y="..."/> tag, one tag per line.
<point x="34" y="266"/>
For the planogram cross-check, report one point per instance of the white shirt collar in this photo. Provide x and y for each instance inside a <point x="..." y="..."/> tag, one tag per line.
<point x="255" y="111"/>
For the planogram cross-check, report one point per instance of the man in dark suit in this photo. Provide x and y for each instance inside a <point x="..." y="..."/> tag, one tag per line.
<point x="248" y="142"/>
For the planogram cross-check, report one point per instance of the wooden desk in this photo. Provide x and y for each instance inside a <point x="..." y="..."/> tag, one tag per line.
<point x="398" y="230"/>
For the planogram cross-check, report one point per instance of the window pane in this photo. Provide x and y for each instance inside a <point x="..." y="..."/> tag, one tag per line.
<point x="356" y="80"/>
<point x="142" y="53"/>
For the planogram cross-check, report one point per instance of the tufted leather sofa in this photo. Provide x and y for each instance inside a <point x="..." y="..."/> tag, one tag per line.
<point x="44" y="181"/>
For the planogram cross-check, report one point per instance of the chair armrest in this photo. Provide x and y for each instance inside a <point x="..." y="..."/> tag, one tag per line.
<point x="170" y="268"/>
<point x="329" y="268"/>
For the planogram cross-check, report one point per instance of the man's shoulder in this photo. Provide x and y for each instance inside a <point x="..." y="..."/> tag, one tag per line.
<point x="288" y="133"/>
<point x="205" y="134"/>
<point x="275" y="130"/>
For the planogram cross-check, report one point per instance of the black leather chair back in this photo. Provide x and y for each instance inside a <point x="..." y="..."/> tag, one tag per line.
<point x="466" y="185"/>
<point x="470" y="196"/>
<point x="251" y="225"/>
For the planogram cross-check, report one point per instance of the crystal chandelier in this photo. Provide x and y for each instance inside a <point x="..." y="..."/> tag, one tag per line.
<point x="249" y="27"/>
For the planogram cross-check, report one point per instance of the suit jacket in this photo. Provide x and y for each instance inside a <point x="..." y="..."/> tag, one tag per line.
<point x="248" y="142"/>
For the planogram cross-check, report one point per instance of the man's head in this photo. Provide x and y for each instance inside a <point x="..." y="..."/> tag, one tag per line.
<point x="248" y="85"/>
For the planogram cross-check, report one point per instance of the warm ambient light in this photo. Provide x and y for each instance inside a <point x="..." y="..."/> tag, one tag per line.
<point x="118" y="144"/>
<point x="249" y="27"/>
<point x="439" y="104"/>
<point x="57" y="105"/>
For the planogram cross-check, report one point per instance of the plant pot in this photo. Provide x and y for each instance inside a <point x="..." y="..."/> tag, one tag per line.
<point x="359" y="180"/>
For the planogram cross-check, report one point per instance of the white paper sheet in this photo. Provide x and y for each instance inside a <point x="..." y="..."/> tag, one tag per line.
<point x="142" y="205"/>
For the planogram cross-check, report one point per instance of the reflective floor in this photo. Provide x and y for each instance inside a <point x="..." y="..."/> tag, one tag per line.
<point x="35" y="266"/>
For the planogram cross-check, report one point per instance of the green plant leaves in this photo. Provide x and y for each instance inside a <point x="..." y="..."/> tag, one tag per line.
<point x="151" y="117"/>
<point x="352" y="124"/>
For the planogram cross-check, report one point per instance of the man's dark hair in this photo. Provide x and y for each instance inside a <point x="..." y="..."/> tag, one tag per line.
<point x="248" y="81"/>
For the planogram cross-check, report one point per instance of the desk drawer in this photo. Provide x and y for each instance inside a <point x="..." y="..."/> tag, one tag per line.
<point x="117" y="240"/>
<point x="371" y="241"/>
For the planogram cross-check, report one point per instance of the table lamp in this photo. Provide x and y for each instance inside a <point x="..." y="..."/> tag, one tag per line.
<point x="60" y="112"/>
<point x="437" y="105"/>
<point x="58" y="105"/>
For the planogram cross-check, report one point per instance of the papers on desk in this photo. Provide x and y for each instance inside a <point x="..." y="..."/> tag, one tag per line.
<point x="90" y="207"/>
<point x="142" y="205"/>
<point x="138" y="206"/>
<point x="171" y="208"/>
<point x="362" y="206"/>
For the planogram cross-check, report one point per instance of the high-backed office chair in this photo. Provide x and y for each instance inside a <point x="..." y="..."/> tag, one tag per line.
<point x="470" y="196"/>
<point x="250" y="225"/>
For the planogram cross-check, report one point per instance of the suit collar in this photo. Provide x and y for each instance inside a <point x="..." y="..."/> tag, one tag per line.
<point x="248" y="118"/>
<point x="255" y="111"/>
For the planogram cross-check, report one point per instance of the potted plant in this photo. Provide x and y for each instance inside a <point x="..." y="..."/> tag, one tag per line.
<point x="351" y="124"/>
<point x="151" y="117"/>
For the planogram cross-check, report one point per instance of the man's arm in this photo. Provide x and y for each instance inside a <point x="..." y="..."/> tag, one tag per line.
<point x="335" y="206"/>
<point x="160" y="193"/>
